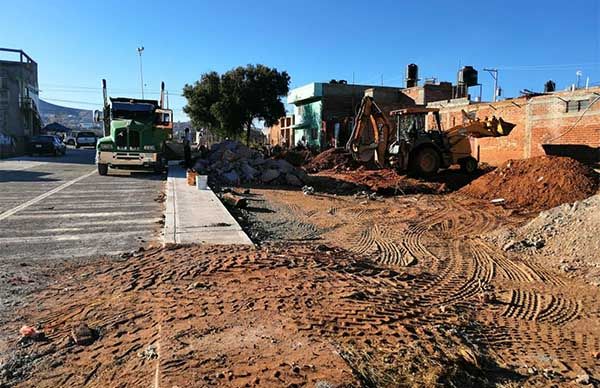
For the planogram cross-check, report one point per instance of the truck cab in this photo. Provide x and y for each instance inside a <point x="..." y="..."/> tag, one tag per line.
<point x="135" y="134"/>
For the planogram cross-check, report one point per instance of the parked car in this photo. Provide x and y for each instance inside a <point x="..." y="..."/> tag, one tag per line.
<point x="46" y="144"/>
<point x="82" y="139"/>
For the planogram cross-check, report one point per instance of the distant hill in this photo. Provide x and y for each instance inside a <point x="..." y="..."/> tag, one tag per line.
<point x="70" y="117"/>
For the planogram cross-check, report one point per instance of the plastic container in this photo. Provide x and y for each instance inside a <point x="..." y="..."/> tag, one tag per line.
<point x="202" y="182"/>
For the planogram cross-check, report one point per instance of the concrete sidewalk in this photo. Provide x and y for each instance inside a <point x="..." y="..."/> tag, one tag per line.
<point x="197" y="216"/>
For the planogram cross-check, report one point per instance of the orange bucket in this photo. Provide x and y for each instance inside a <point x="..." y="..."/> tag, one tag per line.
<point x="191" y="177"/>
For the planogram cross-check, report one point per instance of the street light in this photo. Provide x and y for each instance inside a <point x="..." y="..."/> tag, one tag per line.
<point x="140" y="50"/>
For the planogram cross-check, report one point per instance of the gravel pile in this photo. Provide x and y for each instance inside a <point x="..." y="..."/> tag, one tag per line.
<point x="566" y="236"/>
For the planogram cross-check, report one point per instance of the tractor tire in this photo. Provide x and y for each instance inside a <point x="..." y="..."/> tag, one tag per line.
<point x="425" y="162"/>
<point x="469" y="165"/>
<point x="102" y="169"/>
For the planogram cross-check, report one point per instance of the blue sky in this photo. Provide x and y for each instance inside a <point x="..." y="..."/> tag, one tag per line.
<point x="77" y="43"/>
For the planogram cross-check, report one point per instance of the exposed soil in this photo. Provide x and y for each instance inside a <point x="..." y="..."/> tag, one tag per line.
<point x="536" y="184"/>
<point x="334" y="158"/>
<point x="388" y="181"/>
<point x="544" y="322"/>
<point x="296" y="158"/>
<point x="341" y="291"/>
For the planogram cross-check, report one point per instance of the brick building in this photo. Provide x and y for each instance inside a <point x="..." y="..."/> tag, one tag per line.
<point x="562" y="123"/>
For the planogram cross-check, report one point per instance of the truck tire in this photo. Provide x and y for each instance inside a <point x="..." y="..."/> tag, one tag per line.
<point x="469" y="165"/>
<point x="102" y="169"/>
<point x="425" y="162"/>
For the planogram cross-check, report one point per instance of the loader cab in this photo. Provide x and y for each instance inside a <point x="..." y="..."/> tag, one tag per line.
<point x="414" y="121"/>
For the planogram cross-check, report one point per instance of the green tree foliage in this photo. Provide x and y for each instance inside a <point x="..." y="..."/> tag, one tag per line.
<point x="228" y="104"/>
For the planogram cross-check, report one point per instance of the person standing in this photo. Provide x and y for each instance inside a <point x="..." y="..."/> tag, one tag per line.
<point x="187" y="150"/>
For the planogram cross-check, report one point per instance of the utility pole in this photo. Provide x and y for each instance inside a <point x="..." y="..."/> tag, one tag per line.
<point x="494" y="74"/>
<point x="140" y="50"/>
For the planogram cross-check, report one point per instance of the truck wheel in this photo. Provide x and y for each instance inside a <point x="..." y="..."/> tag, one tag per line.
<point x="469" y="165"/>
<point x="102" y="169"/>
<point x="425" y="162"/>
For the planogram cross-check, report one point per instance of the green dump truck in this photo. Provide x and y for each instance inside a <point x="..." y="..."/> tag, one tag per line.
<point x="135" y="132"/>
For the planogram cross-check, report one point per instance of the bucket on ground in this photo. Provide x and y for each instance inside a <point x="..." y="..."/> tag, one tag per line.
<point x="191" y="177"/>
<point x="202" y="182"/>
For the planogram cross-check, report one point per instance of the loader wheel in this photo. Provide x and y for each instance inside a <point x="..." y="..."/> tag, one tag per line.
<point x="425" y="162"/>
<point x="469" y="165"/>
<point x="102" y="169"/>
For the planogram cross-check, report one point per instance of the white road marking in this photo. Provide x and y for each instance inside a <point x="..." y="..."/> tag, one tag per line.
<point x="70" y="237"/>
<point x="37" y="199"/>
<point x="81" y="215"/>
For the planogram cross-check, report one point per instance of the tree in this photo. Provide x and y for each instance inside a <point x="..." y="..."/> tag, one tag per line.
<point x="230" y="103"/>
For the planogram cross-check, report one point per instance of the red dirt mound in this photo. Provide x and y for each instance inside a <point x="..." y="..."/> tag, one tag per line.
<point x="333" y="158"/>
<point x="535" y="184"/>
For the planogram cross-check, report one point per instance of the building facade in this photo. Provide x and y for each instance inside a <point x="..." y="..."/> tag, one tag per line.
<point x="563" y="123"/>
<point x="19" y="102"/>
<point x="324" y="112"/>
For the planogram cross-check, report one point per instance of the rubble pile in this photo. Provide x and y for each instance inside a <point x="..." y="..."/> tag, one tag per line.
<point x="334" y="158"/>
<point x="232" y="163"/>
<point x="566" y="234"/>
<point x="535" y="184"/>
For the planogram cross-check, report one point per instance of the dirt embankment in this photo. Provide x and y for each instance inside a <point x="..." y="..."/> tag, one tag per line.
<point x="335" y="158"/>
<point x="535" y="184"/>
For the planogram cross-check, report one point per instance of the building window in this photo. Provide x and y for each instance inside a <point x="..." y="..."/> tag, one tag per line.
<point x="577" y="105"/>
<point x="3" y="83"/>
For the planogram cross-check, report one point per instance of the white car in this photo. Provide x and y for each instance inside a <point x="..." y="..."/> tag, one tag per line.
<point x="82" y="139"/>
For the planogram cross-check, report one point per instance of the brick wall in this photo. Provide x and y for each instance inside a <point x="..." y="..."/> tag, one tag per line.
<point x="556" y="119"/>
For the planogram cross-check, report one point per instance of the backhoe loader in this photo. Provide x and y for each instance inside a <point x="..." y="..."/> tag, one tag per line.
<point x="410" y="146"/>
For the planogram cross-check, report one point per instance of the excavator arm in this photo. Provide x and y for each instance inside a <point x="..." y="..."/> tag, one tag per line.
<point x="370" y="134"/>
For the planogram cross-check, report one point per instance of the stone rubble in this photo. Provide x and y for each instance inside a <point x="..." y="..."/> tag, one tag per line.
<point x="232" y="163"/>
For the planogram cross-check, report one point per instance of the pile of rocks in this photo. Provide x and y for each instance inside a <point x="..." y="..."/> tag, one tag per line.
<point x="232" y="163"/>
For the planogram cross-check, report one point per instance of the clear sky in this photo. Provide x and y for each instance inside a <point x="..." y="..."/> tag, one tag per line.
<point x="77" y="43"/>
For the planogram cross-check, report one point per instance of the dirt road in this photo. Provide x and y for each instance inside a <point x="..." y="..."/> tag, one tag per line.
<point x="342" y="291"/>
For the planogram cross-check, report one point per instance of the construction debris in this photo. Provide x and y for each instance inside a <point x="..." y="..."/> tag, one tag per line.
<point x="566" y="236"/>
<point x="535" y="184"/>
<point x="234" y="200"/>
<point x="31" y="333"/>
<point x="232" y="163"/>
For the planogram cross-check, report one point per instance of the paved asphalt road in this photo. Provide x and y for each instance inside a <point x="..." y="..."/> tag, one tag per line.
<point x="60" y="208"/>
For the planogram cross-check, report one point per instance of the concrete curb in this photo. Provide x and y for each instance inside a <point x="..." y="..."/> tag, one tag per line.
<point x="197" y="216"/>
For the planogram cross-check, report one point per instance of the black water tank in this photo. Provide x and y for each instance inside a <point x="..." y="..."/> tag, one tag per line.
<point x="467" y="76"/>
<point x="412" y="75"/>
<point x="549" y="86"/>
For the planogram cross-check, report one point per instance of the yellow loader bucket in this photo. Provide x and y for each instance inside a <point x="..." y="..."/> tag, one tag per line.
<point x="504" y="128"/>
